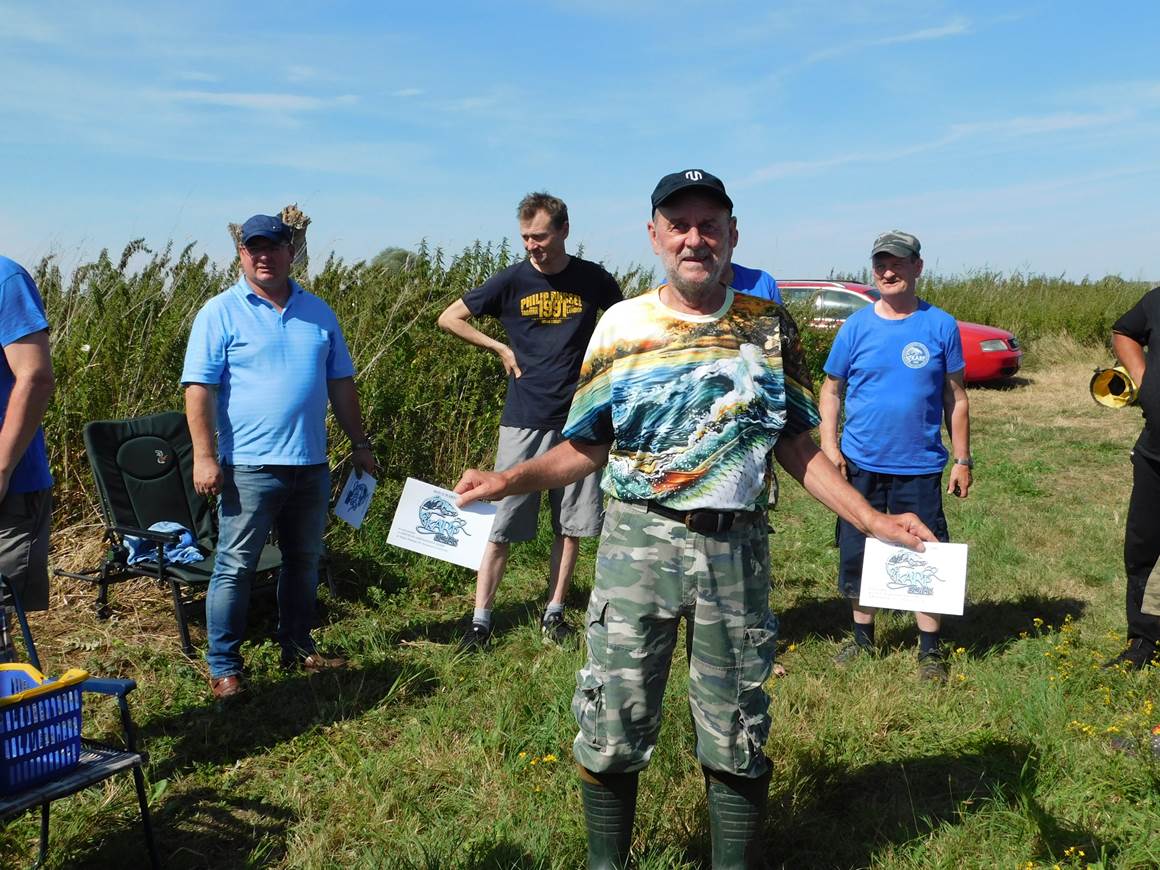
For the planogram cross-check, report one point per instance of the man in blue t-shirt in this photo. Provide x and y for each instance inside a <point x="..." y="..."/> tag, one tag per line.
<point x="26" y="384"/>
<point x="755" y="282"/>
<point x="548" y="305"/>
<point x="900" y="361"/>
<point x="265" y="359"/>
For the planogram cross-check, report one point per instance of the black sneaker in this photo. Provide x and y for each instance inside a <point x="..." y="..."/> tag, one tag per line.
<point x="476" y="638"/>
<point x="932" y="668"/>
<point x="852" y="651"/>
<point x="1140" y="653"/>
<point x="554" y="630"/>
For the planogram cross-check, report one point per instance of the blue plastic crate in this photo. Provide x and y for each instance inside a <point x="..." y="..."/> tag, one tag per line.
<point x="40" y="726"/>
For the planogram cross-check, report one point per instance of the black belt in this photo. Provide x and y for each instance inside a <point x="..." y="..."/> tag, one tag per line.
<point x="703" y="522"/>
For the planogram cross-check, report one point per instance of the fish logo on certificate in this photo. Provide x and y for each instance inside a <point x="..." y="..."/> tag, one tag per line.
<point x="909" y="571"/>
<point x="429" y="521"/>
<point x="438" y="517"/>
<point x="933" y="581"/>
<point x="358" y="495"/>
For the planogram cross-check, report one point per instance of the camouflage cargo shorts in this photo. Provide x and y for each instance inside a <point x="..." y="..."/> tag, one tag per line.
<point x="650" y="573"/>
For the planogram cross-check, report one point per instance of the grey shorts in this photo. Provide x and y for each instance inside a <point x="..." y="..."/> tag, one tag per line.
<point x="24" y="519"/>
<point x="577" y="509"/>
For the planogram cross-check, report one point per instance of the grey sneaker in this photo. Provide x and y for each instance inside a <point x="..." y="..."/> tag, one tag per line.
<point x="852" y="651"/>
<point x="932" y="668"/>
<point x="476" y="638"/>
<point x="556" y="631"/>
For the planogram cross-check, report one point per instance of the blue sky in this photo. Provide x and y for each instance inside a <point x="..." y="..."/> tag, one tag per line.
<point x="1004" y="135"/>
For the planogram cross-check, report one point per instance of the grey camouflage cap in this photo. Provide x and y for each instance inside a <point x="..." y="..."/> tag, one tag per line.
<point x="898" y="243"/>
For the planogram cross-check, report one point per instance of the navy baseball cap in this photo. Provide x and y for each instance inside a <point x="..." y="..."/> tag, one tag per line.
<point x="267" y="227"/>
<point x="690" y="179"/>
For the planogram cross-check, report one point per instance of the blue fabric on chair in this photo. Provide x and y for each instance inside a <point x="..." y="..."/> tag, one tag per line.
<point x="184" y="552"/>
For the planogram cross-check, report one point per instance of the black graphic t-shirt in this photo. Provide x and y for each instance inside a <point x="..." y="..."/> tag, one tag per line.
<point x="1138" y="325"/>
<point x="548" y="320"/>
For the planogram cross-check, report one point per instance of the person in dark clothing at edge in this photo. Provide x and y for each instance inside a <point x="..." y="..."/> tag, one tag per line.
<point x="1133" y="344"/>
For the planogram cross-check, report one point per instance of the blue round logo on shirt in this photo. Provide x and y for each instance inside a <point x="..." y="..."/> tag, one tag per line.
<point x="915" y="355"/>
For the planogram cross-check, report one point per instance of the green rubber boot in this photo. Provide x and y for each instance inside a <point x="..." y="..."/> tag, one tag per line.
<point x="736" y="818"/>
<point x="609" y="810"/>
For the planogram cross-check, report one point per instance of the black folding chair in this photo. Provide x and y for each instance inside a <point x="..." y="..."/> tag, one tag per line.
<point x="34" y="742"/>
<point x="143" y="469"/>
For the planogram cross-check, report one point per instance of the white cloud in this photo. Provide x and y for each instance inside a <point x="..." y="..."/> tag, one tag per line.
<point x="24" y="23"/>
<point x="956" y="27"/>
<point x="407" y="92"/>
<point x="195" y="76"/>
<point x="1005" y="128"/>
<point x="267" y="102"/>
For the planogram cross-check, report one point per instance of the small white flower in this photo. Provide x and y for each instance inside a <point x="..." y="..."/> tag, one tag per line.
<point x="86" y="347"/>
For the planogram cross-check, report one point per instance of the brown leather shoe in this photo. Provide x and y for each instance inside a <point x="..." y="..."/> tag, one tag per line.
<point x="226" y="687"/>
<point x="316" y="662"/>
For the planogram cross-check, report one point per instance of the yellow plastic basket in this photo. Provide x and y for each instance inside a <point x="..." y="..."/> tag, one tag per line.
<point x="40" y="725"/>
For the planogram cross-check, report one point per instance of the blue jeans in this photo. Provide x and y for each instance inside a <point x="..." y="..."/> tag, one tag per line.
<point x="293" y="500"/>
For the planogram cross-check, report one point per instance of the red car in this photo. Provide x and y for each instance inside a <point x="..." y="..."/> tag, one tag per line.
<point x="990" y="353"/>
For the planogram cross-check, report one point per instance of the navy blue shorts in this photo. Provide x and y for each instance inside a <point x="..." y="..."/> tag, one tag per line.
<point x="920" y="494"/>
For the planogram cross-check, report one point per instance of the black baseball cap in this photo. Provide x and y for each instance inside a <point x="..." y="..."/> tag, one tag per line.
<point x="690" y="179"/>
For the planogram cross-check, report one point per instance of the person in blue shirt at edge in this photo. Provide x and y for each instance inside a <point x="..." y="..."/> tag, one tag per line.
<point x="264" y="360"/>
<point x="900" y="361"/>
<point x="26" y="385"/>
<point x="755" y="282"/>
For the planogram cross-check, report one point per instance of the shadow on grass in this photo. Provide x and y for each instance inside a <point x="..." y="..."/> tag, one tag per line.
<point x="503" y="619"/>
<point x="202" y="828"/>
<point x="984" y="627"/>
<point x="827" y="618"/>
<point x="501" y="855"/>
<point x="842" y="817"/>
<point x="1003" y="385"/>
<point x="274" y="711"/>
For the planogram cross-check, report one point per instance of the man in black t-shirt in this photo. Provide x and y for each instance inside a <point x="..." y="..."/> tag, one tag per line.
<point x="548" y="306"/>
<point x="1131" y="334"/>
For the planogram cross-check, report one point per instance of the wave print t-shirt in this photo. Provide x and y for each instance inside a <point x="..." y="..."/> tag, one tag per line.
<point x="692" y="404"/>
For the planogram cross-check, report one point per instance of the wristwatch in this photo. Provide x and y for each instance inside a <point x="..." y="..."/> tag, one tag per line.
<point x="365" y="444"/>
<point x="967" y="462"/>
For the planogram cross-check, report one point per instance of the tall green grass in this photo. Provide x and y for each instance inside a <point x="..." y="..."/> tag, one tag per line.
<point x="1033" y="306"/>
<point x="419" y="757"/>
<point x="119" y="328"/>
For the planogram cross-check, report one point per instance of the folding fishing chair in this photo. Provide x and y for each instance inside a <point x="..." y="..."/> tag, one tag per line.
<point x="42" y="755"/>
<point x="143" y="469"/>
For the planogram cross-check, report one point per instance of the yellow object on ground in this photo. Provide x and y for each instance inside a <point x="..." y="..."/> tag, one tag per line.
<point x="69" y="678"/>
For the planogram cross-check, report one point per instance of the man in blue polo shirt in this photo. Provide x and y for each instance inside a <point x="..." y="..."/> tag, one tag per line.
<point x="264" y="359"/>
<point x="26" y="385"/>
<point x="900" y="362"/>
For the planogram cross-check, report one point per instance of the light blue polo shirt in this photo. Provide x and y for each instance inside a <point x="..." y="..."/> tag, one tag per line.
<point x="270" y="369"/>
<point x="21" y="315"/>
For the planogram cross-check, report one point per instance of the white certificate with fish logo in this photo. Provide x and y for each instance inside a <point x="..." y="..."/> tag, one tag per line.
<point x="933" y="581"/>
<point x="427" y="521"/>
